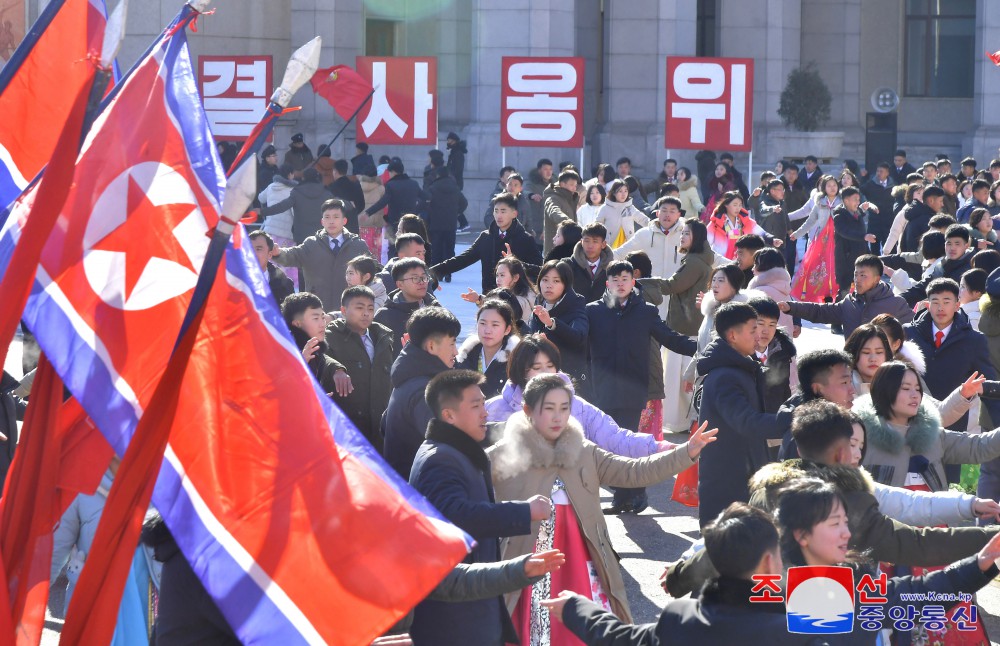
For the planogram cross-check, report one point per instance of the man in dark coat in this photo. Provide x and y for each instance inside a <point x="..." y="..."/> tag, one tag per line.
<point x="12" y="410"/>
<point x="918" y="217"/>
<point x="344" y="188"/>
<point x="773" y="218"/>
<point x="732" y="400"/>
<point x="491" y="244"/>
<point x="796" y="194"/>
<point x="870" y="298"/>
<point x="280" y="284"/>
<point x="851" y="237"/>
<point x="901" y="168"/>
<point x="444" y="204"/>
<point x="306" y="202"/>
<point x="590" y="260"/>
<point x="953" y="351"/>
<point x="878" y="191"/>
<point x="619" y="326"/>
<point x="431" y="351"/>
<point x="811" y="172"/>
<point x="957" y="260"/>
<point x="362" y="350"/>
<point x="268" y="167"/>
<point x="453" y="472"/>
<point x="410" y="294"/>
<point x="298" y="155"/>
<point x="980" y="200"/>
<point x="402" y="195"/>
<point x="538" y="180"/>
<point x="457" y="150"/>
<point x="362" y="163"/>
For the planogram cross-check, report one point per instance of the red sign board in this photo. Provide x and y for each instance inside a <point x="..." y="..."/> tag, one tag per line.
<point x="403" y="109"/>
<point x="541" y="102"/>
<point x="235" y="91"/>
<point x="709" y="103"/>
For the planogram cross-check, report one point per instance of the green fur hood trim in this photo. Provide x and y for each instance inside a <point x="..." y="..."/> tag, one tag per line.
<point x="923" y="431"/>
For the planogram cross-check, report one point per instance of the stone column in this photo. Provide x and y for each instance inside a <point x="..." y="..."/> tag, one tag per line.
<point x="984" y="135"/>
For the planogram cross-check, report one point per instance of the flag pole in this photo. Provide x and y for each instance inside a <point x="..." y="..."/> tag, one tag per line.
<point x="329" y="146"/>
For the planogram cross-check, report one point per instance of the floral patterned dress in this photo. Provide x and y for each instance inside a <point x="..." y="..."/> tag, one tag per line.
<point x="815" y="278"/>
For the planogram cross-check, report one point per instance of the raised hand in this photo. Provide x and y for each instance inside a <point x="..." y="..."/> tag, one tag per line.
<point x="541" y="563"/>
<point x="507" y="252"/>
<point x="471" y="296"/>
<point x="543" y="315"/>
<point x="555" y="606"/>
<point x="700" y="439"/>
<point x="309" y="351"/>
<point x="973" y="386"/>
<point x="698" y="299"/>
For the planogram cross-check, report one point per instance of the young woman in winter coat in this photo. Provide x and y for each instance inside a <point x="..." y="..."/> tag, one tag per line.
<point x="913" y="194"/>
<point x="544" y="451"/>
<point x="620" y="216"/>
<point x="536" y="355"/>
<point x="812" y="521"/>
<point x="568" y="233"/>
<point x="771" y="278"/>
<point x="596" y="196"/>
<point x="489" y="349"/>
<point x="361" y="271"/>
<point x="510" y="275"/>
<point x="907" y="444"/>
<point x="718" y="186"/>
<point x="729" y="222"/>
<point x="560" y="316"/>
<point x="690" y="193"/>
<point x="983" y="234"/>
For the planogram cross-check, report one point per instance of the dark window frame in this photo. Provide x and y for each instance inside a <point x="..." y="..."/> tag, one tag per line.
<point x="707" y="28"/>
<point x="929" y="18"/>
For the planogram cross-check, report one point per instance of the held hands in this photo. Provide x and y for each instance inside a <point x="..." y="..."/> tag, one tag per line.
<point x="541" y="507"/>
<point x="535" y="197"/>
<point x="541" y="563"/>
<point x="784" y="307"/>
<point x="973" y="386"/>
<point x="342" y="383"/>
<point x="543" y="315"/>
<point x="471" y="296"/>
<point x="700" y="439"/>
<point x="777" y="242"/>
<point x="309" y="351"/>
<point x="985" y="508"/>
<point x="276" y="251"/>
<point x="888" y="271"/>
<point x="870" y="237"/>
<point x="688" y="387"/>
<point x="990" y="553"/>
<point x="555" y="606"/>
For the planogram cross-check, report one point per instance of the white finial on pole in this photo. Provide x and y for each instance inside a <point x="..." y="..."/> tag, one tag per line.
<point x="301" y="67"/>
<point x="114" y="34"/>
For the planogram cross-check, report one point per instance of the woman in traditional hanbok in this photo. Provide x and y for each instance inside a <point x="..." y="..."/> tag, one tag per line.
<point x="815" y="280"/>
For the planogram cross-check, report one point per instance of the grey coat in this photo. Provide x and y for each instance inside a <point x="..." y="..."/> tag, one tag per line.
<point x="323" y="267"/>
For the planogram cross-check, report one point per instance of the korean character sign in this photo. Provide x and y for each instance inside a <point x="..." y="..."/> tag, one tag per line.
<point x="235" y="91"/>
<point x="820" y="600"/>
<point x="541" y="102"/>
<point x="709" y="104"/>
<point x="403" y="109"/>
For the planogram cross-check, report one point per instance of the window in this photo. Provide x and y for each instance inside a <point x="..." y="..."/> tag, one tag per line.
<point x="706" y="26"/>
<point x="380" y="37"/>
<point x="940" y="44"/>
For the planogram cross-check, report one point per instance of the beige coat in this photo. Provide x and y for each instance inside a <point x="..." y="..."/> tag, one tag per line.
<point x="525" y="464"/>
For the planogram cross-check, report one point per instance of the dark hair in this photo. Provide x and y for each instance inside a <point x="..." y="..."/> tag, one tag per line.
<point x="448" y="388"/>
<point x="732" y="315"/>
<point x="765" y="307"/>
<point x="358" y="291"/>
<point x="340" y="166"/>
<point x="600" y="189"/>
<point x="986" y="259"/>
<point x="775" y="183"/>
<point x="941" y="286"/>
<point x="567" y="175"/>
<point x="668" y="189"/>
<point x="412" y="223"/>
<point x="285" y="170"/>
<point x="431" y="322"/>
<point x="941" y="221"/>
<point x="727" y="198"/>
<point x="750" y="241"/>
<point x="502" y="308"/>
<point x="977" y="216"/>
<point x="980" y="184"/>
<point x="668" y="199"/>
<point x="767" y="175"/>
<point x="732" y="272"/>
<point x="932" y="245"/>
<point x="296" y="304"/>
<point x="928" y="164"/>
<point x="562" y="269"/>
<point x="862" y="335"/>
<point x="507" y="169"/>
<point x="400" y="267"/>
<point x="899" y="153"/>
<point x="969" y="161"/>
<point x="668" y="160"/>
<point x="957" y="231"/>
<point x="884" y="165"/>
<point x="507" y="296"/>
<point x="333" y="204"/>
<point x="572" y="232"/>
<point x="802" y="504"/>
<point x="687" y="172"/>
<point x="522" y="285"/>
<point x="523" y="356"/>
<point x="641" y="262"/>
<point x="891" y="326"/>
<point x="595" y="230"/>
<point x="886" y="383"/>
<point x="543" y="162"/>
<point x="768" y="258"/>
<point x="911" y="190"/>
<point x="615" y="186"/>
<point x="699" y="235"/>
<point x="817" y="425"/>
<point x="933" y="191"/>
<point x="623" y="160"/>
<point x="258" y="234"/>
<point x="975" y="280"/>
<point x="362" y="146"/>
<point x="738" y="539"/>
<point x="845" y="173"/>
<point x="825" y="179"/>
<point x="515" y="176"/>
<point x="631" y="183"/>
<point x="811" y="158"/>
<point x="403" y="240"/>
<point x="395" y="165"/>
<point x="619" y="267"/>
<point x="871" y="261"/>
<point x="505" y="198"/>
<point x="848" y="192"/>
<point x="814" y="367"/>
<point x="728" y="156"/>
<point x="364" y="264"/>
<point x="790" y="166"/>
<point x="541" y="385"/>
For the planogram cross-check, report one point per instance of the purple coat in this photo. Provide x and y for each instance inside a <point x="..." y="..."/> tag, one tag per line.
<point x="598" y="427"/>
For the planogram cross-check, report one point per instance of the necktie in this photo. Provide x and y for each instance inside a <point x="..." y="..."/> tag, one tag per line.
<point x="335" y="244"/>
<point x="763" y="359"/>
<point x="593" y="271"/>
<point x="938" y="338"/>
<point x="503" y="235"/>
<point x="369" y="346"/>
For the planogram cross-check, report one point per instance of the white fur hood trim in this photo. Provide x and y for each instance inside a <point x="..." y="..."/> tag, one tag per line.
<point x="473" y="340"/>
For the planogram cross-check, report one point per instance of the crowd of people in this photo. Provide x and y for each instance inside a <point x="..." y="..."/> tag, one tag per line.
<point x="612" y="311"/>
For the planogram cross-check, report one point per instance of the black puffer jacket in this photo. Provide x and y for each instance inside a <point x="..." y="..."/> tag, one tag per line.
<point x="306" y="202"/>
<point x="396" y="312"/>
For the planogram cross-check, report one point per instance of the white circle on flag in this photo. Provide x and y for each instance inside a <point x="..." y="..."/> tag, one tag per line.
<point x="159" y="278"/>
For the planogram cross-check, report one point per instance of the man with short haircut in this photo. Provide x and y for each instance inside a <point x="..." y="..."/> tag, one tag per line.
<point x="980" y="200"/>
<point x="667" y="176"/>
<point x="430" y="351"/>
<point x="408" y="245"/>
<point x="445" y="202"/>
<point x="747" y="246"/>
<point x="590" y="260"/>
<point x="741" y="185"/>
<point x="901" y="168"/>
<point x="758" y="194"/>
<point x="660" y="240"/>
<point x="918" y="217"/>
<point x="323" y="257"/>
<point x="968" y="168"/>
<point x="623" y="167"/>
<point x="929" y="171"/>
<point x="538" y="180"/>
<point x="773" y="218"/>
<point x="731" y="399"/>
<point x="870" y="298"/>
<point x="851" y="236"/>
<point x="280" y="284"/>
<point x="796" y="194"/>
<point x="453" y="472"/>
<point x="741" y="542"/>
<point x="410" y="295"/>
<point x="949" y="184"/>
<point x="775" y="352"/>
<point x="811" y="173"/>
<point x="362" y="352"/>
<point x="943" y="165"/>
<point x="560" y="204"/>
<point x="878" y="190"/>
<point x="957" y="260"/>
<point x="971" y="288"/>
<point x="348" y="190"/>
<point x="303" y="313"/>
<point x="505" y="235"/>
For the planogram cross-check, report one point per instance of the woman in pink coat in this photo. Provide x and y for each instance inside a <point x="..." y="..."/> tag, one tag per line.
<point x="729" y="221"/>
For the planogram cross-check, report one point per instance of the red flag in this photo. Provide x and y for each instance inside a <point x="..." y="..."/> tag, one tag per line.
<point x="995" y="57"/>
<point x="342" y="87"/>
